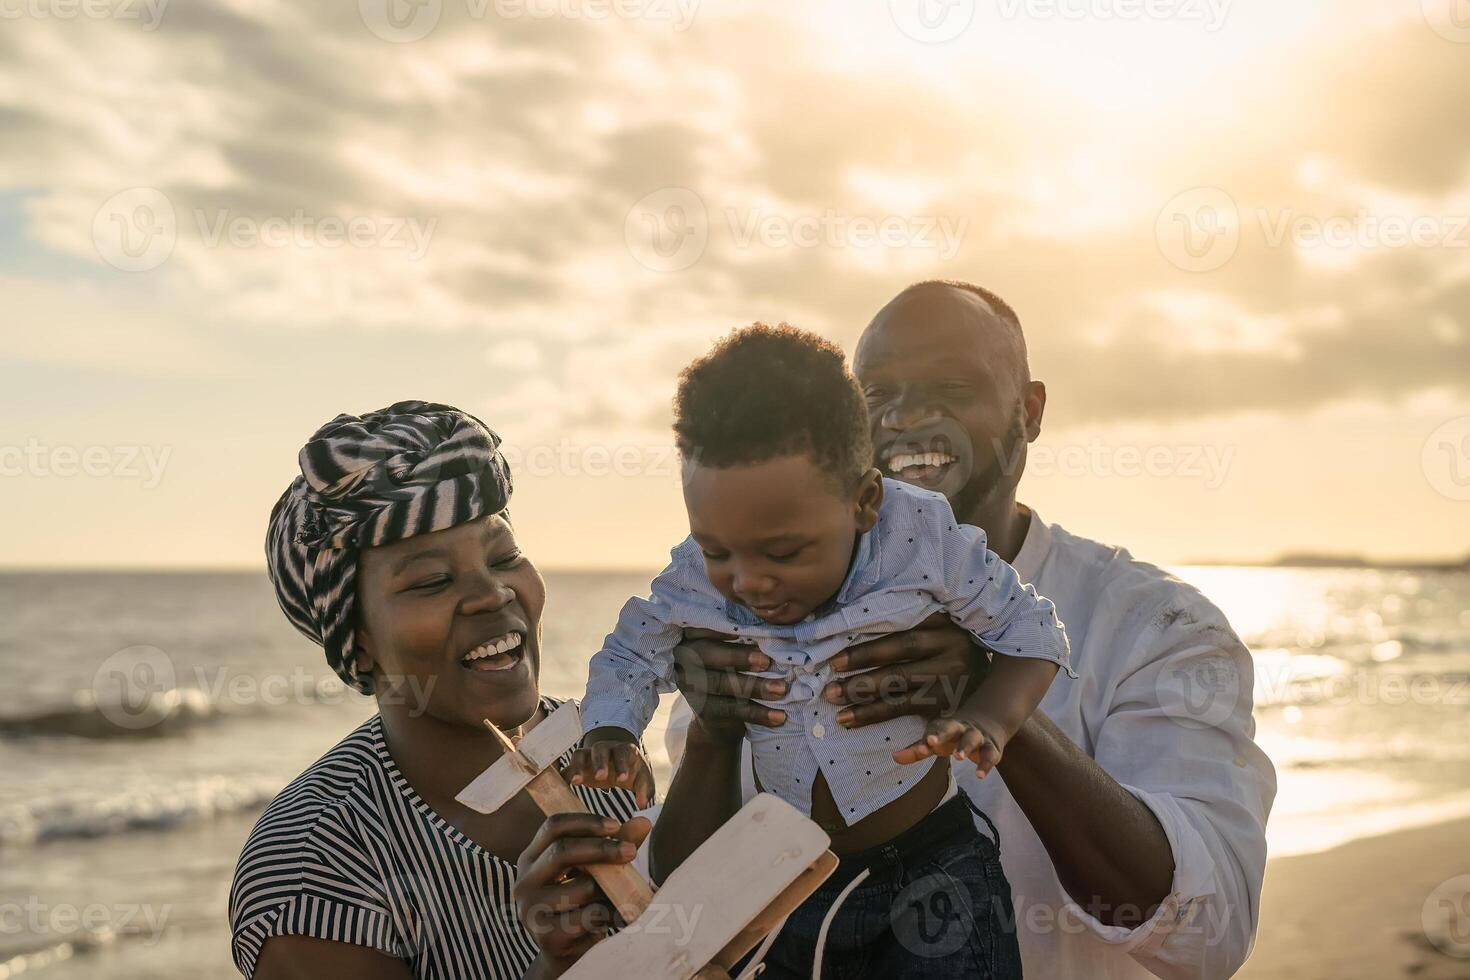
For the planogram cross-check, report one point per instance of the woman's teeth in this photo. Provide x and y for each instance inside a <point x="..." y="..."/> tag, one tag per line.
<point x="904" y="461"/>
<point x="494" y="655"/>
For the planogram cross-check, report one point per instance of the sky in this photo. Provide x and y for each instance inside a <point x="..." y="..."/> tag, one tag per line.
<point x="1237" y="235"/>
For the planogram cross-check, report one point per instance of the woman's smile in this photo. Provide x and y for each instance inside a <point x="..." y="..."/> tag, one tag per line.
<point x="502" y="652"/>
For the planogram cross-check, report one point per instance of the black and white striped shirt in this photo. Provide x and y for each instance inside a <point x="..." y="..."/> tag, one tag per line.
<point x="349" y="852"/>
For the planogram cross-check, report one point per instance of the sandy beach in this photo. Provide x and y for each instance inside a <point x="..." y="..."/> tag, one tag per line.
<point x="1359" y="910"/>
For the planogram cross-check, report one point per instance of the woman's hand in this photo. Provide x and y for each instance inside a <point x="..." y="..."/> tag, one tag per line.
<point x="925" y="671"/>
<point x="559" y="903"/>
<point x="709" y="669"/>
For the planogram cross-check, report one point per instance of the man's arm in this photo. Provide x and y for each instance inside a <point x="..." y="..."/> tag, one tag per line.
<point x="1167" y="817"/>
<point x="1178" y="738"/>
<point x="1106" y="845"/>
<point x="1115" y="860"/>
<point x="705" y="793"/>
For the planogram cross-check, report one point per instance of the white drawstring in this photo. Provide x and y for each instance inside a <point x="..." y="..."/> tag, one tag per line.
<point x="756" y="966"/>
<point x="827" y="921"/>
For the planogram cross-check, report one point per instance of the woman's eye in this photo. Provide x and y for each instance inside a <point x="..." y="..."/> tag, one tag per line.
<point x="509" y="561"/>
<point x="714" y="557"/>
<point x="875" y="394"/>
<point x="428" y="585"/>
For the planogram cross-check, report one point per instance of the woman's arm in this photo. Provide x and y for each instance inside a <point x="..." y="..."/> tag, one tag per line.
<point x="309" y="958"/>
<point x="559" y="906"/>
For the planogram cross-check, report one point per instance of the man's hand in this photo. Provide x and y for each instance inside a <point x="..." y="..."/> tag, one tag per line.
<point x="611" y="757"/>
<point x="926" y="671"/>
<point x="708" y="669"/>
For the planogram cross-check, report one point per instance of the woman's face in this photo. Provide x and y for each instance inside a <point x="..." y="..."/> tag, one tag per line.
<point x="450" y="624"/>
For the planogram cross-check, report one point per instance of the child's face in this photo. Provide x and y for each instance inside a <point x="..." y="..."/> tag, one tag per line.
<point x="778" y="536"/>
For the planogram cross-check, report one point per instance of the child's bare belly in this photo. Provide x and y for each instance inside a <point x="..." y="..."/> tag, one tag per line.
<point x="881" y="825"/>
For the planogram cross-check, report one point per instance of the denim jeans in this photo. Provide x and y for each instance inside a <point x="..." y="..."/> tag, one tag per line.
<point x="935" y="905"/>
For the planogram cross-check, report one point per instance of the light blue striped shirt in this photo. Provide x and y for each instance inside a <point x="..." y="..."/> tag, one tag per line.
<point x="915" y="561"/>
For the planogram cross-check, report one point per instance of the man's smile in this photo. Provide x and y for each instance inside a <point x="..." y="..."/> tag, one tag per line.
<point x="923" y="457"/>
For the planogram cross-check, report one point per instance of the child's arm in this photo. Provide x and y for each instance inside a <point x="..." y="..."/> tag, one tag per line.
<point x="635" y="665"/>
<point x="982" y="726"/>
<point x="624" y="680"/>
<point x="983" y="593"/>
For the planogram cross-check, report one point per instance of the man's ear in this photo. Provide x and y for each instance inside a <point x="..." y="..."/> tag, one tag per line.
<point x="869" y="498"/>
<point x="1035" y="408"/>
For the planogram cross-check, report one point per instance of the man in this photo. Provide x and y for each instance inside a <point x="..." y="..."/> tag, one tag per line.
<point x="1132" y="806"/>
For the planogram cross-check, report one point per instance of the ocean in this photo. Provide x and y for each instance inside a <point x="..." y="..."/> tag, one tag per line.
<point x="121" y="817"/>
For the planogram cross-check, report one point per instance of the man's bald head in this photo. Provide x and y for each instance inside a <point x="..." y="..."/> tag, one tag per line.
<point x="954" y="304"/>
<point x="949" y="394"/>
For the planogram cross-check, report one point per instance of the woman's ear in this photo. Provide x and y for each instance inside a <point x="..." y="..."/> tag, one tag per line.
<point x="362" y="649"/>
<point x="869" y="498"/>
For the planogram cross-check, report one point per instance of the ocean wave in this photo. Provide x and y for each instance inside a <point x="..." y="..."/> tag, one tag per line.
<point x="161" y="714"/>
<point x="138" y="810"/>
<point x="165" y="713"/>
<point x="41" y="953"/>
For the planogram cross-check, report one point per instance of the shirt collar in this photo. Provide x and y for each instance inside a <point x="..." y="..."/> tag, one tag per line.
<point x="1034" y="549"/>
<point x="863" y="574"/>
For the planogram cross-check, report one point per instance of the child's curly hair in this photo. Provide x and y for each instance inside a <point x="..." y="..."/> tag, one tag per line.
<point x="765" y="392"/>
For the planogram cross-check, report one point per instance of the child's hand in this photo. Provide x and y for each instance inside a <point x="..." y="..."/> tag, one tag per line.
<point x="610" y="757"/>
<point x="955" y="737"/>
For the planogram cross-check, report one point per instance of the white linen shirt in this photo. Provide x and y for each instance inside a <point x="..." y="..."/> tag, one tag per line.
<point x="1163" y="702"/>
<point x="915" y="561"/>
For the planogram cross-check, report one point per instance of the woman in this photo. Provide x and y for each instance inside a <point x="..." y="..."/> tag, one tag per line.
<point x="394" y="551"/>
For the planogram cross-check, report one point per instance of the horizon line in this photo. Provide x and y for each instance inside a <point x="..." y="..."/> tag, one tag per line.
<point x="1447" y="562"/>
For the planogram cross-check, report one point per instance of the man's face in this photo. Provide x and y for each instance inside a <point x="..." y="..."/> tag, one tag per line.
<point x="946" y="397"/>
<point x="777" y="536"/>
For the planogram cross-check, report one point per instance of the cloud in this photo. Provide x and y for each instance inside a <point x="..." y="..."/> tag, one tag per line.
<point x="520" y="146"/>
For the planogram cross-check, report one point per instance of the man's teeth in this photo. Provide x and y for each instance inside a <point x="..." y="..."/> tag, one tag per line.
<point x="903" y="461"/>
<point x="505" y="644"/>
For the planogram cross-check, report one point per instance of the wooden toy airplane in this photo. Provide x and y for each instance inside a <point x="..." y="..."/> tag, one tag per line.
<point x="713" y="909"/>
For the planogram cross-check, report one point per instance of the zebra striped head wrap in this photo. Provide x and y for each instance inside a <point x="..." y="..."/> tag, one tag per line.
<point x="402" y="471"/>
